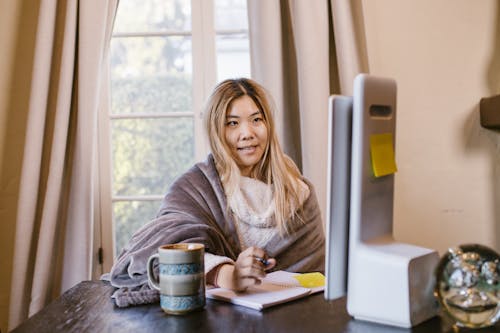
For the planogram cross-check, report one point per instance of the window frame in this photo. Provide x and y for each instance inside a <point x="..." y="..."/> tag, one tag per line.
<point x="204" y="76"/>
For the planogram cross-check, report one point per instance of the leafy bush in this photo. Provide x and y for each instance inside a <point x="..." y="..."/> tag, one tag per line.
<point x="148" y="153"/>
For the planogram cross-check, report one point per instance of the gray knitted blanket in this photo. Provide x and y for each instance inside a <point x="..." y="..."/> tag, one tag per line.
<point x="194" y="210"/>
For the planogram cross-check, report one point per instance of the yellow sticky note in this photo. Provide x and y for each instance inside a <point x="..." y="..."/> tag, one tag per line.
<point x="382" y="154"/>
<point x="311" y="280"/>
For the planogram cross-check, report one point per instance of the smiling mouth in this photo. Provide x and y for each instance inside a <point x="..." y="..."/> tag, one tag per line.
<point x="246" y="148"/>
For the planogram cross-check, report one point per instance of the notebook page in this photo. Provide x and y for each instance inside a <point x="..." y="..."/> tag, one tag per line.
<point x="276" y="288"/>
<point x="289" y="279"/>
<point x="259" y="297"/>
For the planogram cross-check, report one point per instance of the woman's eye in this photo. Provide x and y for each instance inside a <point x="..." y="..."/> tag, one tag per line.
<point x="231" y="123"/>
<point x="258" y="119"/>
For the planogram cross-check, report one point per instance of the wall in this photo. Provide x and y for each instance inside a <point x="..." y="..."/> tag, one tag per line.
<point x="445" y="57"/>
<point x="17" y="24"/>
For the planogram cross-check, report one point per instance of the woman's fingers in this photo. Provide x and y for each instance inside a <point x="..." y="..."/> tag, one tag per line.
<point x="259" y="255"/>
<point x="271" y="262"/>
<point x="247" y="282"/>
<point x="251" y="266"/>
<point x="257" y="258"/>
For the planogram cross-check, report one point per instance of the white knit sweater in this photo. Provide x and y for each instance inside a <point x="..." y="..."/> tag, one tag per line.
<point x="253" y="208"/>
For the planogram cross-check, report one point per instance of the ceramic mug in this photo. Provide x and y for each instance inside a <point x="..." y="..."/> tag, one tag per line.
<point x="181" y="278"/>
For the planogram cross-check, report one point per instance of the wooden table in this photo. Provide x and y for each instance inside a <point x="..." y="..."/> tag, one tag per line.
<point x="88" y="307"/>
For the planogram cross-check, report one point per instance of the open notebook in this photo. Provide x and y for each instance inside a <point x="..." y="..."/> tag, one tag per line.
<point x="276" y="288"/>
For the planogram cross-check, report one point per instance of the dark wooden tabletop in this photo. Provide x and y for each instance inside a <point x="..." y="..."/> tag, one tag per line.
<point x="88" y="307"/>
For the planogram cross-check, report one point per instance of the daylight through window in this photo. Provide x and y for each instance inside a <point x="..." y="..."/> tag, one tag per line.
<point x="166" y="56"/>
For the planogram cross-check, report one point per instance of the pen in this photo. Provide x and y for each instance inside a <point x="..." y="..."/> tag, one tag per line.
<point x="262" y="260"/>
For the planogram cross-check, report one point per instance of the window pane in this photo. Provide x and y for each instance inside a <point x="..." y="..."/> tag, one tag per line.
<point x="151" y="74"/>
<point x="233" y="56"/>
<point x="231" y="14"/>
<point x="148" y="154"/>
<point x="152" y="15"/>
<point x="129" y="216"/>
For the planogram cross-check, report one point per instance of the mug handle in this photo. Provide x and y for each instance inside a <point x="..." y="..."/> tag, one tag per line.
<point x="153" y="281"/>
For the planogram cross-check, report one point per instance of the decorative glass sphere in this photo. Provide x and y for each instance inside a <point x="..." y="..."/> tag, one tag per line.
<point x="468" y="285"/>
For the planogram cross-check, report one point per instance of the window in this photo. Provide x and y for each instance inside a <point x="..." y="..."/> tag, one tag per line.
<point x="165" y="58"/>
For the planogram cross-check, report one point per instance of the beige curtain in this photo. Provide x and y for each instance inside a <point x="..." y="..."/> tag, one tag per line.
<point x="350" y="41"/>
<point x="303" y="51"/>
<point x="54" y="227"/>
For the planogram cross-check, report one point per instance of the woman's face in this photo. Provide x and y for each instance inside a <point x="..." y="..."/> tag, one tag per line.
<point x="245" y="133"/>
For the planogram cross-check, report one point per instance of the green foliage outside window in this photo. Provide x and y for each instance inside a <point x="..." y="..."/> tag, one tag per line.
<point x="148" y="153"/>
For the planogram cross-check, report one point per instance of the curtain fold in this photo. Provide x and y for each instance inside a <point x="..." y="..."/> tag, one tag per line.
<point x="350" y="42"/>
<point x="293" y="56"/>
<point x="53" y="245"/>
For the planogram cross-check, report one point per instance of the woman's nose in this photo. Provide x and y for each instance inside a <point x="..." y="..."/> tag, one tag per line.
<point x="246" y="131"/>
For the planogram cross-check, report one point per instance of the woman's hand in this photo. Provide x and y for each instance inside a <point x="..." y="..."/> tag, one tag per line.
<point x="249" y="269"/>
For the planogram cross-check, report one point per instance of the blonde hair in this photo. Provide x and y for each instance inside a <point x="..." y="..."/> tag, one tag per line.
<point x="275" y="168"/>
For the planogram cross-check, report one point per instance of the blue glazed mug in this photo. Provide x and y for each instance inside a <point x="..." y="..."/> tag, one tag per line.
<point x="181" y="277"/>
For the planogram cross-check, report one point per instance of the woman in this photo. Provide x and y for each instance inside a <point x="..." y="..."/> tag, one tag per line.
<point x="247" y="203"/>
